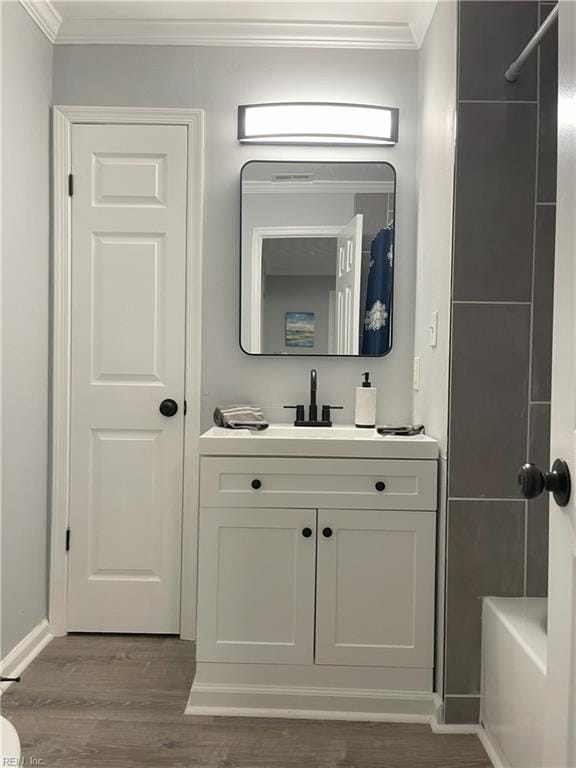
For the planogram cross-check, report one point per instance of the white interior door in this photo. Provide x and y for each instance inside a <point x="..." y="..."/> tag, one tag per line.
<point x="348" y="278"/>
<point x="128" y="326"/>
<point x="256" y="585"/>
<point x="375" y="588"/>
<point x="560" y="733"/>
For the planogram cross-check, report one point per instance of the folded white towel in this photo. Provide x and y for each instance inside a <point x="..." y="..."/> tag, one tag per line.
<point x="240" y="417"/>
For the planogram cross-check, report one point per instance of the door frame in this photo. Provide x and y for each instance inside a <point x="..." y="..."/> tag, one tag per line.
<point x="259" y="234"/>
<point x="559" y="737"/>
<point x="64" y="117"/>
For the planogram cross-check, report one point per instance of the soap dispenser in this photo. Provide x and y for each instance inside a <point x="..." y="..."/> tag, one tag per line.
<point x="365" y="404"/>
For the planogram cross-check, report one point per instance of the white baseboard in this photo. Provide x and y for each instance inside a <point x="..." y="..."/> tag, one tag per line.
<point x="309" y="703"/>
<point x="496" y="757"/>
<point x="25" y="652"/>
<point x="306" y="714"/>
<point x="453" y="728"/>
<point x="438" y="726"/>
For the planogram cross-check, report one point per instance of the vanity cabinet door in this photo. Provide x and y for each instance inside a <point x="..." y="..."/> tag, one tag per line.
<point x="256" y="585"/>
<point x="375" y="588"/>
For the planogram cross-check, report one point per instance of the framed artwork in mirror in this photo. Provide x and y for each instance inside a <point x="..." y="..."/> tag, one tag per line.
<point x="300" y="329"/>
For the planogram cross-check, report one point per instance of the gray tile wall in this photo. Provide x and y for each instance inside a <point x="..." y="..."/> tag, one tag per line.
<point x="503" y="260"/>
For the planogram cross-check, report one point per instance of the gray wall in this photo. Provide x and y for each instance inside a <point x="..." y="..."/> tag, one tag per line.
<point x="287" y="293"/>
<point x="436" y="155"/>
<point x="502" y="327"/>
<point x="217" y="80"/>
<point x="26" y="98"/>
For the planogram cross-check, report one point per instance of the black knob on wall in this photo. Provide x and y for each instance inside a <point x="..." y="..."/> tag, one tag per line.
<point x="533" y="482"/>
<point x="256" y="484"/>
<point x="307" y="532"/>
<point x="327" y="532"/>
<point x="380" y="486"/>
<point x="168" y="407"/>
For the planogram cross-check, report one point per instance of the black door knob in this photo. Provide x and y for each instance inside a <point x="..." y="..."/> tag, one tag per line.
<point x="327" y="532"/>
<point x="533" y="482"/>
<point x="380" y="486"/>
<point x="168" y="407"/>
<point x="307" y="532"/>
<point x="256" y="484"/>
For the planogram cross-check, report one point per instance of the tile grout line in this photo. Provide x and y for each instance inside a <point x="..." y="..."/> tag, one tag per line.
<point x="513" y="303"/>
<point x="497" y="101"/>
<point x="446" y="657"/>
<point x="462" y="695"/>
<point x="532" y="291"/>
<point x="482" y="498"/>
<point x="456" y="191"/>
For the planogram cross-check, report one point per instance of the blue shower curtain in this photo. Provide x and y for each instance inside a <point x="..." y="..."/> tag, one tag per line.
<point x="376" y="339"/>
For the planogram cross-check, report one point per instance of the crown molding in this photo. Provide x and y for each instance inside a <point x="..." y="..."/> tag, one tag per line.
<point x="249" y="28"/>
<point x="226" y="32"/>
<point x="255" y="187"/>
<point x="45" y="15"/>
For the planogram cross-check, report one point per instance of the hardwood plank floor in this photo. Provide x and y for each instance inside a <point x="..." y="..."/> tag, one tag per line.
<point x="107" y="701"/>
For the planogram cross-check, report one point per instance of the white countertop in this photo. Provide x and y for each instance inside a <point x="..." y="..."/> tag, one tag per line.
<point x="339" y="441"/>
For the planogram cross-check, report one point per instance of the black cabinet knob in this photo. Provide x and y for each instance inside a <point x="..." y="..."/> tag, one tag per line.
<point x="327" y="532"/>
<point x="256" y="484"/>
<point x="168" y="407"/>
<point x="380" y="486"/>
<point x="533" y="482"/>
<point x="307" y="532"/>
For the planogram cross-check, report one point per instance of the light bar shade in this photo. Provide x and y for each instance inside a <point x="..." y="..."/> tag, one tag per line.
<point x="317" y="123"/>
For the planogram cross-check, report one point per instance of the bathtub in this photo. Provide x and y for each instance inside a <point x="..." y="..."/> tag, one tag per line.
<point x="513" y="679"/>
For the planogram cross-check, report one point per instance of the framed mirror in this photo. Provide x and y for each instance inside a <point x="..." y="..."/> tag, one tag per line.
<point x="317" y="258"/>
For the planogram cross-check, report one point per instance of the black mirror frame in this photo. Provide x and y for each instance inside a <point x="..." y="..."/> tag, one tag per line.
<point x="299" y="355"/>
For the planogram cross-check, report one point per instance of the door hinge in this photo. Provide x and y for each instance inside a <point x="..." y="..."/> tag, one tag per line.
<point x="67" y="539"/>
<point x="70" y="185"/>
<point x="185" y="407"/>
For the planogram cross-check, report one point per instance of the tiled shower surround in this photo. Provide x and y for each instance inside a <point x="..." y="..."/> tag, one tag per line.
<point x="503" y="263"/>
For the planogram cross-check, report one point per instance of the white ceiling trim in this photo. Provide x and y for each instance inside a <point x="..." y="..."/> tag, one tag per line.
<point x="45" y="16"/>
<point x="220" y="32"/>
<point x="255" y="187"/>
<point x="271" y="24"/>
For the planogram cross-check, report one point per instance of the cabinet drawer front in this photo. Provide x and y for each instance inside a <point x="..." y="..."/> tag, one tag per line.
<point x="329" y="483"/>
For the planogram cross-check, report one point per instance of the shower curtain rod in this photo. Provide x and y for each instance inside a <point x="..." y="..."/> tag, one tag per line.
<point x="514" y="69"/>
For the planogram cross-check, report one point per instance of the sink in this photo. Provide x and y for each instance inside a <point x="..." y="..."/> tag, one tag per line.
<point x="343" y="441"/>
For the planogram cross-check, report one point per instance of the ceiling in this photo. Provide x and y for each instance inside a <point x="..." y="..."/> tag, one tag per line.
<point x="372" y="24"/>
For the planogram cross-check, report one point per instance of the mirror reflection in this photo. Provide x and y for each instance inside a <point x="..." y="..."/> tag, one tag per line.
<point x="317" y="258"/>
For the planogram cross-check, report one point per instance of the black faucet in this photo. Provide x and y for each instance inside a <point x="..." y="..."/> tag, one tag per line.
<point x="313" y="420"/>
<point x="313" y="409"/>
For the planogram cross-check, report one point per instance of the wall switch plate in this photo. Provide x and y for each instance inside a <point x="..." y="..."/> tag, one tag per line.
<point x="416" y="374"/>
<point x="433" y="329"/>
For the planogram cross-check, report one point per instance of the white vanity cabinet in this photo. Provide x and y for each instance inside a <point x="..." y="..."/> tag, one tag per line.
<point x="316" y="584"/>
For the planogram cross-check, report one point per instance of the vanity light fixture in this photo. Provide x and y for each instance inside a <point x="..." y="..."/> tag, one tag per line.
<point x="302" y="122"/>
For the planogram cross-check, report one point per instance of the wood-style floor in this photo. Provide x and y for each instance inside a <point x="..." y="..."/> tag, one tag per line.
<point x="94" y="701"/>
